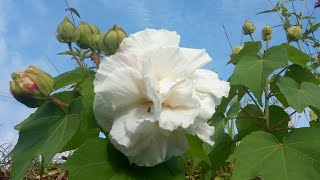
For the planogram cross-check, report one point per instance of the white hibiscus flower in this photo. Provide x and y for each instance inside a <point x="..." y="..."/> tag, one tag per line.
<point x="152" y="92"/>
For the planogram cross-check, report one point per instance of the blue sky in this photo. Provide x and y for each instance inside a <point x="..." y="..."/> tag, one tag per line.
<point x="27" y="34"/>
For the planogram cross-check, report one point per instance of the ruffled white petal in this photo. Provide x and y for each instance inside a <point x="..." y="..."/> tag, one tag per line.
<point x="202" y="130"/>
<point x="147" y="145"/>
<point x="181" y="94"/>
<point x="206" y="81"/>
<point x="147" y="39"/>
<point x="173" y="118"/>
<point x="174" y="62"/>
<point x="122" y="88"/>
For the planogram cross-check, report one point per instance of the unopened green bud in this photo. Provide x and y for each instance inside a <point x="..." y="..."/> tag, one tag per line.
<point x="31" y="87"/>
<point x="266" y="33"/>
<point x="66" y="31"/>
<point x="235" y="51"/>
<point x="88" y="35"/>
<point x="112" y="39"/>
<point x="248" y="28"/>
<point x="294" y="33"/>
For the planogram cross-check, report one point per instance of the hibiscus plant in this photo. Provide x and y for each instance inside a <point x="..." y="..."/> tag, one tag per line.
<point x="144" y="108"/>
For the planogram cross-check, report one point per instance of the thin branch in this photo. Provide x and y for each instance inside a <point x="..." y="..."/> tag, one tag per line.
<point x="277" y="11"/>
<point x="250" y="95"/>
<point x="53" y="65"/>
<point x="266" y="104"/>
<point x="227" y="37"/>
<point x="283" y="129"/>
<point x="70" y="11"/>
<point x="95" y="58"/>
<point x="73" y="55"/>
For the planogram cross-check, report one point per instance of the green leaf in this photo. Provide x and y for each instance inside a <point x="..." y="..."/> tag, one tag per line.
<point x="66" y="97"/>
<point x="250" y="48"/>
<point x="296" y="56"/>
<point x="300" y="74"/>
<point x="300" y="97"/>
<point x="235" y="95"/>
<point x="268" y="11"/>
<point x="261" y="154"/>
<point x="250" y="119"/>
<point x="234" y="110"/>
<point x="313" y="28"/>
<point x="252" y="71"/>
<point x="88" y="127"/>
<point x="45" y="134"/>
<point x="314" y="124"/>
<point x="277" y="93"/>
<point x="221" y="152"/>
<point x="196" y="149"/>
<point x="218" y="122"/>
<point x="99" y="159"/>
<point x="73" y="10"/>
<point x="74" y="76"/>
<point x="65" y="53"/>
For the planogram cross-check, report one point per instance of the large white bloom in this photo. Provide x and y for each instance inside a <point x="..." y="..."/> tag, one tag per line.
<point x="152" y="92"/>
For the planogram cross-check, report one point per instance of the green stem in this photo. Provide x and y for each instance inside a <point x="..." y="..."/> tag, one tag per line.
<point x="266" y="105"/>
<point x="73" y="55"/>
<point x="95" y="58"/>
<point x="58" y="102"/>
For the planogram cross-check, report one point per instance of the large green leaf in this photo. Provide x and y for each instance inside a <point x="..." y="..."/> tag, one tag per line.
<point x="300" y="74"/>
<point x="88" y="127"/>
<point x="250" y="119"/>
<point x="98" y="159"/>
<point x="65" y="97"/>
<point x="45" y="134"/>
<point x="261" y="154"/>
<point x="74" y="76"/>
<point x="253" y="71"/>
<point x="296" y="56"/>
<point x="299" y="97"/>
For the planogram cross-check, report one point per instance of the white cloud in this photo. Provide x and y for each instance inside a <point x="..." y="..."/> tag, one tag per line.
<point x="39" y="6"/>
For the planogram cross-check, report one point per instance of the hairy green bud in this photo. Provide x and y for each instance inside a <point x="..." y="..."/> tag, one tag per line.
<point x="248" y="28"/>
<point x="112" y="39"/>
<point x="31" y="87"/>
<point x="66" y="31"/>
<point x="235" y="51"/>
<point x="294" y="33"/>
<point x="89" y="35"/>
<point x="266" y="33"/>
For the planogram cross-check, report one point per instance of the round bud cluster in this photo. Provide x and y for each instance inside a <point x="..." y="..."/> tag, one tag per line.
<point x="112" y="39"/>
<point x="294" y="33"/>
<point x="248" y="28"/>
<point x="67" y="32"/>
<point x="266" y="33"/>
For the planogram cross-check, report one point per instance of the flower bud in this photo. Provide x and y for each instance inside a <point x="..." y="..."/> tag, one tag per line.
<point x="66" y="31"/>
<point x="235" y="51"/>
<point x="112" y="39"/>
<point x="248" y="28"/>
<point x="266" y="33"/>
<point x="88" y="35"/>
<point x="31" y="87"/>
<point x="294" y="33"/>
